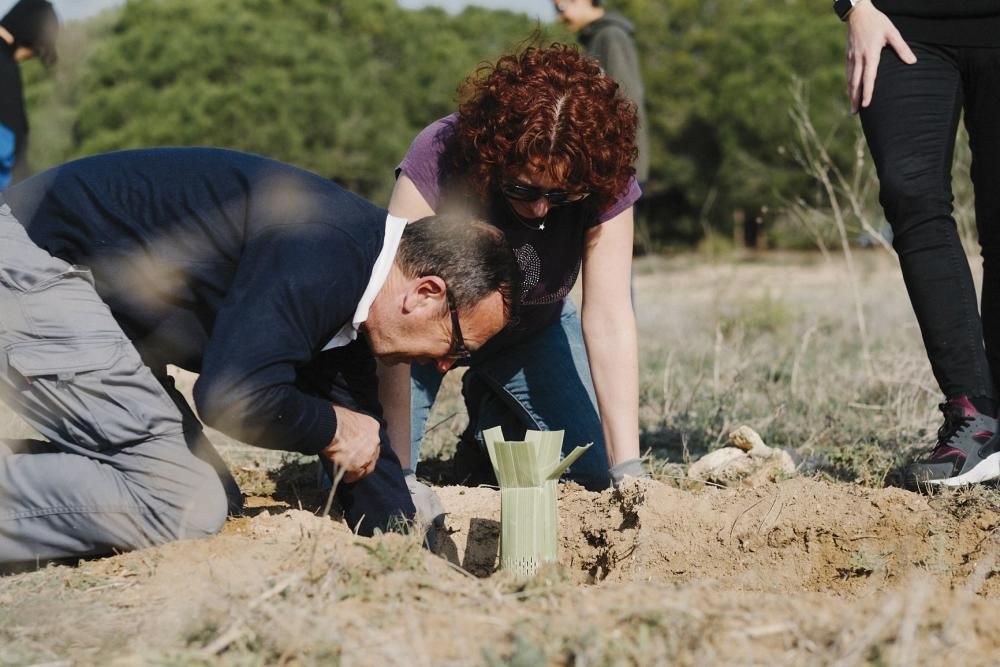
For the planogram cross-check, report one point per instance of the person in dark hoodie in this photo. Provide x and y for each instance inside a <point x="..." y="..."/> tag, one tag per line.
<point x="27" y="31"/>
<point x="609" y="37"/>
<point x="913" y="67"/>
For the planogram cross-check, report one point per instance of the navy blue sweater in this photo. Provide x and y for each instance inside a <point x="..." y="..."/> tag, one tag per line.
<point x="227" y="264"/>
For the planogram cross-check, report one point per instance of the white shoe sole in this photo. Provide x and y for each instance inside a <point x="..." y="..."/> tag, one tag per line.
<point x="987" y="470"/>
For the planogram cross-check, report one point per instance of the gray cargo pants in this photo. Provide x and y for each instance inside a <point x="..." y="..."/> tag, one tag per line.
<point x="117" y="472"/>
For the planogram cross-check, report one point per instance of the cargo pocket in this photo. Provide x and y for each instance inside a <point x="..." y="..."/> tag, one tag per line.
<point x="64" y="392"/>
<point x="65" y="306"/>
<point x="28" y="268"/>
<point x="58" y="273"/>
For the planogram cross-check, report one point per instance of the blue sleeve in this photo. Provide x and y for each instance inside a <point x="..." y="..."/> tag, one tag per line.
<point x="294" y="288"/>
<point x="8" y="149"/>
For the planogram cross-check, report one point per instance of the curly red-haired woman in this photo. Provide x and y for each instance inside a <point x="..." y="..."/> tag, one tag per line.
<point x="541" y="147"/>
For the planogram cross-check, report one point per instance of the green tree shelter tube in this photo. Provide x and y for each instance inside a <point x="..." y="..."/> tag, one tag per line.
<point x="527" y="471"/>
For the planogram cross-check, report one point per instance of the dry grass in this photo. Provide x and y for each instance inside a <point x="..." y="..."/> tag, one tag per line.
<point x="772" y="342"/>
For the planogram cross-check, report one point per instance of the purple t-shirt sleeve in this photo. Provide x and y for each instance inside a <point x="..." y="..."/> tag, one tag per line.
<point x="422" y="165"/>
<point x="631" y="196"/>
<point x="422" y="162"/>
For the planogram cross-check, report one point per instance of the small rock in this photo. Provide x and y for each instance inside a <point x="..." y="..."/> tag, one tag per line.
<point x="748" y="462"/>
<point x="748" y="440"/>
<point x="713" y="464"/>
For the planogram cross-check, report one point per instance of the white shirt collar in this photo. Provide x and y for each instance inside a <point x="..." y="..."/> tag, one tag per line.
<point x="393" y="232"/>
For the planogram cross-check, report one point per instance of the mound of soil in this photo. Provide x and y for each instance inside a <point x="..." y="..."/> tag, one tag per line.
<point x="791" y="536"/>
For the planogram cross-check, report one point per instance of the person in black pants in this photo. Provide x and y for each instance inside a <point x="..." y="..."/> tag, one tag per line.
<point x="913" y="68"/>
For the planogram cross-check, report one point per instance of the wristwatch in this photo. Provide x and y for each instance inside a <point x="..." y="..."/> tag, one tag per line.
<point x="844" y="7"/>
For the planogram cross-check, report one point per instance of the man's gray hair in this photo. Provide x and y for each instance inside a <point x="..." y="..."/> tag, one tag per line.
<point x="472" y="257"/>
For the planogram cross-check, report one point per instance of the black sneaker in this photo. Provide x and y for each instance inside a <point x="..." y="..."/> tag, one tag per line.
<point x="967" y="451"/>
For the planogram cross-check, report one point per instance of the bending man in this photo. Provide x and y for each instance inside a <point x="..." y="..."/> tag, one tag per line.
<point x="255" y="274"/>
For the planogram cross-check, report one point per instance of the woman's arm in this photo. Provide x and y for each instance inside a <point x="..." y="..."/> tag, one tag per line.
<point x="394" y="380"/>
<point x="610" y="335"/>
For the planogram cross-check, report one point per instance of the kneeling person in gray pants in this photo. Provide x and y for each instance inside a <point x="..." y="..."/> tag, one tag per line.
<point x="255" y="274"/>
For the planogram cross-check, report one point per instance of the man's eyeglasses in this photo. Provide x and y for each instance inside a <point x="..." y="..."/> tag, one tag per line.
<point x="458" y="351"/>
<point x="529" y="193"/>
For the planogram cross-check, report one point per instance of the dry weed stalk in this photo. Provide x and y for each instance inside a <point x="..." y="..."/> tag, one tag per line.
<point x="850" y="192"/>
<point x="716" y="360"/>
<point x="843" y="195"/>
<point x="327" y="506"/>
<point x="905" y="651"/>
<point x="240" y="627"/>
<point x="800" y="353"/>
<point x="668" y="397"/>
<point x="853" y="648"/>
<point x="964" y="200"/>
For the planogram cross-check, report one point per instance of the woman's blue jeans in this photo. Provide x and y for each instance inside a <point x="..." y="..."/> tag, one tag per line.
<point x="542" y="383"/>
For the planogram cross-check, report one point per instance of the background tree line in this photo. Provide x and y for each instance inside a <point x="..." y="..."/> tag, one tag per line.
<point x="342" y="86"/>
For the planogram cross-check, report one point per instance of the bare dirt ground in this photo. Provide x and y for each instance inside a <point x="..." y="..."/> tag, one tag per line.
<point x="797" y="572"/>
<point x="814" y="569"/>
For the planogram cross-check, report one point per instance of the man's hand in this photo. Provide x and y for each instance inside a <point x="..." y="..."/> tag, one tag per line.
<point x="429" y="508"/>
<point x="355" y="447"/>
<point x="868" y="31"/>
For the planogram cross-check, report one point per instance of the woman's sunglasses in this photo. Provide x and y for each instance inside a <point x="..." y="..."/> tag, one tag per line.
<point x="529" y="193"/>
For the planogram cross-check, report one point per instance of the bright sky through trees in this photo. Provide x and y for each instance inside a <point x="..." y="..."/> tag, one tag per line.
<point x="74" y="9"/>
